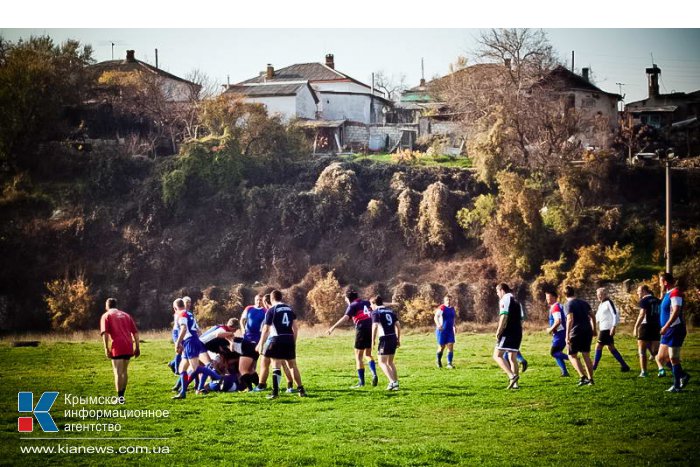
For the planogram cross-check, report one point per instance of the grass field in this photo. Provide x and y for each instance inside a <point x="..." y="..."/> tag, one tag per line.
<point x="435" y="161"/>
<point x="439" y="417"/>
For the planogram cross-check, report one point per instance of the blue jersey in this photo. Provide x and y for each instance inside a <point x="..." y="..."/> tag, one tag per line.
<point x="671" y="298"/>
<point x="253" y="324"/>
<point x="191" y="327"/>
<point x="280" y="319"/>
<point x="448" y="317"/>
<point x="386" y="320"/>
<point x="556" y="312"/>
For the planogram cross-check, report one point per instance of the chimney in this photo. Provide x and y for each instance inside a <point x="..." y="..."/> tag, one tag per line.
<point x="584" y="72"/>
<point x="130" y="56"/>
<point x="507" y="63"/>
<point x="270" y="71"/>
<point x="653" y="77"/>
<point x="330" y="63"/>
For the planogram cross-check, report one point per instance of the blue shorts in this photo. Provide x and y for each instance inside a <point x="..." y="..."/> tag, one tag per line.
<point x="192" y="347"/>
<point x="445" y="337"/>
<point x="559" y="339"/>
<point x="675" y="336"/>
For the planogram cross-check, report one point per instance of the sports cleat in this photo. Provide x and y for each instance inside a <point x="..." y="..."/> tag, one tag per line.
<point x="524" y="366"/>
<point x="625" y="369"/>
<point x="290" y="391"/>
<point x="643" y="374"/>
<point x="684" y="380"/>
<point x="590" y="382"/>
<point x="272" y="396"/>
<point x="302" y="392"/>
<point x="583" y="381"/>
<point x="662" y="372"/>
<point x="259" y="389"/>
<point x="515" y="386"/>
<point x="450" y="366"/>
<point x="357" y="386"/>
<point x="201" y="392"/>
<point x="375" y="380"/>
<point x="673" y="389"/>
<point x="178" y="396"/>
<point x="513" y="381"/>
<point x="171" y="365"/>
<point x="396" y="386"/>
<point x="439" y="364"/>
<point x="565" y="375"/>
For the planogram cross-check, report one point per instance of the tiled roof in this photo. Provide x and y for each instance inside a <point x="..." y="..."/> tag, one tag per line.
<point x="304" y="72"/>
<point x="269" y="90"/>
<point x="126" y="66"/>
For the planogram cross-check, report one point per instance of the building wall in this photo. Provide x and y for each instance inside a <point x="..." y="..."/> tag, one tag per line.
<point x="305" y="104"/>
<point x="373" y="137"/>
<point x="593" y="106"/>
<point x="286" y="106"/>
<point x="349" y="107"/>
<point x="176" y="91"/>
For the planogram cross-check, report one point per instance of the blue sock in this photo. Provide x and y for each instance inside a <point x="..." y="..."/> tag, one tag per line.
<point x="373" y="367"/>
<point x="361" y="375"/>
<point x="519" y="357"/>
<point x="439" y="358"/>
<point x="669" y="366"/>
<point x="186" y="378"/>
<point x="562" y="365"/>
<point x="619" y="358"/>
<point x="449" y="357"/>
<point x="598" y="355"/>
<point x="677" y="375"/>
<point x="560" y="355"/>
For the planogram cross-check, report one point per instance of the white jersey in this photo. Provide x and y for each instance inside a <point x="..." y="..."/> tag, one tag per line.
<point x="607" y="316"/>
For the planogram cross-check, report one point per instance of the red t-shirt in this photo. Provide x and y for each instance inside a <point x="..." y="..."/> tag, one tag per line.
<point x="120" y="326"/>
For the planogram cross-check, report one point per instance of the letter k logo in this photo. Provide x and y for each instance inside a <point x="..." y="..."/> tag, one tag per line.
<point x="25" y="403"/>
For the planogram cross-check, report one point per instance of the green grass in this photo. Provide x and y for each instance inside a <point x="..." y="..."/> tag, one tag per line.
<point x="434" y="161"/>
<point x="439" y="417"/>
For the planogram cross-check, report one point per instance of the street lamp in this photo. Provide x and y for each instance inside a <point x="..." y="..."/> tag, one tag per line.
<point x="666" y="157"/>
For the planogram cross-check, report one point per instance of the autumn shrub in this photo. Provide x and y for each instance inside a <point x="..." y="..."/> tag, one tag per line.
<point x="336" y="193"/>
<point x="295" y="296"/>
<point x="417" y="312"/>
<point x="486" y="150"/>
<point x="616" y="261"/>
<point x="485" y="302"/>
<point x="473" y="220"/>
<point x="407" y="213"/>
<point x="432" y="293"/>
<point x="552" y="277"/>
<point x="376" y="213"/>
<point x="326" y="300"/>
<point x="70" y="304"/>
<point x="462" y="301"/>
<point x="436" y="219"/>
<point x="211" y="308"/>
<point x="596" y="262"/>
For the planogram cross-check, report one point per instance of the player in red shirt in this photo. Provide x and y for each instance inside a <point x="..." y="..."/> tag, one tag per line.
<point x="121" y="342"/>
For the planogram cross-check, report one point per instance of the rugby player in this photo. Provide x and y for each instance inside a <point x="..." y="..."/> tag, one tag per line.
<point x="121" y="342"/>
<point x="607" y="318"/>
<point x="557" y="328"/>
<point x="360" y="313"/>
<point x="445" y="331"/>
<point x="508" y="335"/>
<point x="580" y="328"/>
<point x="673" y="330"/>
<point x="647" y="329"/>
<point x="279" y="334"/>
<point x="386" y="327"/>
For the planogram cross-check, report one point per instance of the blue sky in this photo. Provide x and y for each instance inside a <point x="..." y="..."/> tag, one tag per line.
<point x="614" y="55"/>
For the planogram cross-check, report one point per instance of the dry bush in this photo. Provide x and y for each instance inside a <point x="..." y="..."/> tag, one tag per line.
<point x="551" y="278"/>
<point x="596" y="262"/>
<point x="377" y="288"/>
<point x="485" y="302"/>
<point x="326" y="299"/>
<point x="399" y="182"/>
<point x="432" y="293"/>
<point x="417" y="312"/>
<point x="238" y="297"/>
<point x="337" y="184"/>
<point x="376" y="213"/>
<point x="314" y="274"/>
<point x="295" y="296"/>
<point x="211" y="308"/>
<point x="462" y="301"/>
<point x="407" y="212"/>
<point x="436" y="219"/>
<point x="69" y="304"/>
<point x="404" y="291"/>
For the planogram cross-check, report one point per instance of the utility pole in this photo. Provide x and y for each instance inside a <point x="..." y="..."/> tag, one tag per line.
<point x="622" y="105"/>
<point x="667" y="157"/>
<point x="112" y="50"/>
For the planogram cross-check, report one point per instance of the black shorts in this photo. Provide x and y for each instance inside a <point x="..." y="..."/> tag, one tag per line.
<point x="246" y="348"/>
<point x="219" y="345"/>
<point x="509" y="342"/>
<point x="280" y="348"/>
<point x="121" y="357"/>
<point x="580" y="344"/>
<point x="649" y="334"/>
<point x="363" y="334"/>
<point x="387" y="345"/>
<point x="605" y="338"/>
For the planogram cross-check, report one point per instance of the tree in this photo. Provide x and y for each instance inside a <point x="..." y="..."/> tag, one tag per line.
<point x="38" y="81"/>
<point x="391" y="85"/>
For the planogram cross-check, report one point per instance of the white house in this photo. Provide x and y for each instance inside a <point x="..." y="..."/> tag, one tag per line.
<point x="313" y="91"/>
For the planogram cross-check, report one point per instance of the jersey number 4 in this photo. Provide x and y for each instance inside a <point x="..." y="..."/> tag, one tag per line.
<point x="285" y="319"/>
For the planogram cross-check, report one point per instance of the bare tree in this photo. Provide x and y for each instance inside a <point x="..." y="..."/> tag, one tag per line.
<point x="391" y="85"/>
<point x="202" y="88"/>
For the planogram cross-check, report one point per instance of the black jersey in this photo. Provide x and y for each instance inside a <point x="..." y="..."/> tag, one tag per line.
<point x="280" y="318"/>
<point x="580" y="311"/>
<point x="386" y="320"/>
<point x="650" y="305"/>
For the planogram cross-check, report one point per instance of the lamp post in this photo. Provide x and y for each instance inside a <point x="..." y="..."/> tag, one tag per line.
<point x="667" y="157"/>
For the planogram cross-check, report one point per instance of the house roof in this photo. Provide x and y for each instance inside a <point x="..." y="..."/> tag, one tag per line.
<point x="126" y="66"/>
<point x="270" y="89"/>
<point x="312" y="72"/>
<point x="562" y="78"/>
<point x="657" y="108"/>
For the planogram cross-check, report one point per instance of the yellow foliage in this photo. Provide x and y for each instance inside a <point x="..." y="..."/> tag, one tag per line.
<point x="69" y="303"/>
<point x="417" y="312"/>
<point x="326" y="299"/>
